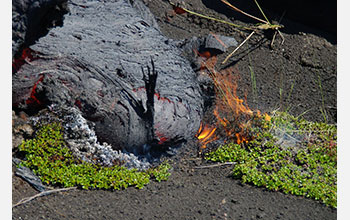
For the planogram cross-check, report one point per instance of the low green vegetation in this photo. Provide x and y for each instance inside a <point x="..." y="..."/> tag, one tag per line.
<point x="50" y="159"/>
<point x="288" y="154"/>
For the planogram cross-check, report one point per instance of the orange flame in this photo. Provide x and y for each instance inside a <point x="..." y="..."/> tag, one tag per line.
<point x="240" y="138"/>
<point x="267" y="117"/>
<point x="206" y="135"/>
<point x="226" y="85"/>
<point x="231" y="112"/>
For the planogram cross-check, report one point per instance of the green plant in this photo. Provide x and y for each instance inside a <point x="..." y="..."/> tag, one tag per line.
<point x="307" y="168"/>
<point x="50" y="159"/>
<point x="282" y="94"/>
<point x="161" y="172"/>
<point x="253" y="80"/>
<point x="322" y="107"/>
<point x="289" y="95"/>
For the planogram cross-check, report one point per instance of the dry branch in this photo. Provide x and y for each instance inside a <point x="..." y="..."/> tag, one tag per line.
<point x="216" y="165"/>
<point x="45" y="193"/>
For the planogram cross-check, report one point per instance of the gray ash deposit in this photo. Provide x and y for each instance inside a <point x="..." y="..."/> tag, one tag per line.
<point x="81" y="139"/>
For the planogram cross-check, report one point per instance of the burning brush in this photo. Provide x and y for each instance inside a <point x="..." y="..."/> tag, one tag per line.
<point x="234" y="119"/>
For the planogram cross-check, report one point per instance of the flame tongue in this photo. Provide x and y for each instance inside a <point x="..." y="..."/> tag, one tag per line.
<point x="206" y="135"/>
<point x="232" y="113"/>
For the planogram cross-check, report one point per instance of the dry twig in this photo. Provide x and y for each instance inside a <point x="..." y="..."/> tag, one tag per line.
<point x="231" y="54"/>
<point x="45" y="193"/>
<point x="216" y="165"/>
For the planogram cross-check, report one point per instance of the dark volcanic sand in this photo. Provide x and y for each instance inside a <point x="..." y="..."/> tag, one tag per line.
<point x="307" y="57"/>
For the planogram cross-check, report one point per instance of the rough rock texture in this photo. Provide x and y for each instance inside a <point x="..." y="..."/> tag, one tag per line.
<point x="197" y="48"/>
<point x="32" y="19"/>
<point x="20" y="129"/>
<point x="120" y="71"/>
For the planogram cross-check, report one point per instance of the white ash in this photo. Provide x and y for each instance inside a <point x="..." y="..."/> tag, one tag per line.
<point x="82" y="141"/>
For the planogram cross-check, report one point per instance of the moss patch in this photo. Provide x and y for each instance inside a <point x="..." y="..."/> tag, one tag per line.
<point x="50" y="159"/>
<point x="305" y="166"/>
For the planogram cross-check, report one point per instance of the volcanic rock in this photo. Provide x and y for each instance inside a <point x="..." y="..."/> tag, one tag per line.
<point x="111" y="62"/>
<point x="32" y="19"/>
<point x="197" y="48"/>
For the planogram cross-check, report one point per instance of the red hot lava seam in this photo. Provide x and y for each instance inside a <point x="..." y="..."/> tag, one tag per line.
<point x="33" y="99"/>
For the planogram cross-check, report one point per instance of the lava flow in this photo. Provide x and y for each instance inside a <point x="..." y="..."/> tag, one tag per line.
<point x="26" y="56"/>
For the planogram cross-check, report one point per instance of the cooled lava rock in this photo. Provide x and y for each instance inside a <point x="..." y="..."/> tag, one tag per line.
<point x="32" y="19"/>
<point x="110" y="61"/>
